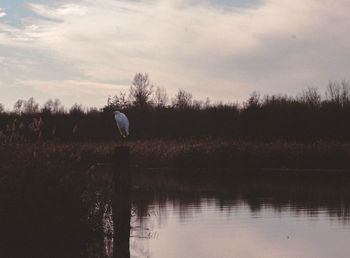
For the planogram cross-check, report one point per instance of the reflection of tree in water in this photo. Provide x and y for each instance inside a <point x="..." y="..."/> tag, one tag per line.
<point x="68" y="212"/>
<point x="144" y="219"/>
<point x="302" y="194"/>
<point x="295" y="194"/>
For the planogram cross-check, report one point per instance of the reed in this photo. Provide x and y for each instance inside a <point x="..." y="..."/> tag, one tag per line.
<point x="182" y="153"/>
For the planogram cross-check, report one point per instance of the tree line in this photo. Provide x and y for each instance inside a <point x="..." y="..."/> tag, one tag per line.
<point x="309" y="116"/>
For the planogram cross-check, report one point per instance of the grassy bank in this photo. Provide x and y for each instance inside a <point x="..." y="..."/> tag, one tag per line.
<point x="183" y="153"/>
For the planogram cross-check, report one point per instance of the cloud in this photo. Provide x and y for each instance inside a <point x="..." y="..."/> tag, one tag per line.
<point x="2" y="12"/>
<point x="224" y="52"/>
<point x="59" y="13"/>
<point x="73" y="91"/>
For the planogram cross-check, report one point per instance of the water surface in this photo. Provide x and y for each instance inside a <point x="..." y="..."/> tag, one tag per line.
<point x="213" y="227"/>
<point x="254" y="215"/>
<point x="68" y="214"/>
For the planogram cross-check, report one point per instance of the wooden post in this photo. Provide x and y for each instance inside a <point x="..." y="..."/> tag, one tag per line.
<point x="121" y="206"/>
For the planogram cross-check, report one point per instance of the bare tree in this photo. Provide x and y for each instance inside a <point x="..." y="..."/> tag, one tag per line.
<point x="197" y="104"/>
<point x="48" y="106"/>
<point x="57" y="106"/>
<point x="207" y="103"/>
<point x="253" y="101"/>
<point x="30" y="106"/>
<point x="338" y="93"/>
<point x="183" y="99"/>
<point x="17" y="107"/>
<point x="2" y="109"/>
<point x="120" y="101"/>
<point x="333" y="92"/>
<point x="141" y="90"/>
<point x="345" y="92"/>
<point x="310" y="96"/>
<point x="160" y="97"/>
<point x="76" y="109"/>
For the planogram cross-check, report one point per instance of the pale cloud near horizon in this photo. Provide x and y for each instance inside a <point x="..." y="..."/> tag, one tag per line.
<point x="2" y="13"/>
<point x="73" y="48"/>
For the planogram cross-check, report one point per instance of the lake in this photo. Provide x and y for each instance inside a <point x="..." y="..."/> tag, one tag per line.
<point x="213" y="227"/>
<point x="233" y="214"/>
<point x="275" y="215"/>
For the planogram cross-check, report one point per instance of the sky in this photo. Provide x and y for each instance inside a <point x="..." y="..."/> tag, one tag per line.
<point x="82" y="51"/>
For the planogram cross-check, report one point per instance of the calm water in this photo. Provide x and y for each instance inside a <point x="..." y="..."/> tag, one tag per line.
<point x="244" y="215"/>
<point x="260" y="215"/>
<point x="212" y="227"/>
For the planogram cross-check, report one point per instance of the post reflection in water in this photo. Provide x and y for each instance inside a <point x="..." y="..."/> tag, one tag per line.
<point x="121" y="222"/>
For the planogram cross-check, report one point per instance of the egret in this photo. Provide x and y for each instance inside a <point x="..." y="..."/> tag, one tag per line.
<point x="122" y="123"/>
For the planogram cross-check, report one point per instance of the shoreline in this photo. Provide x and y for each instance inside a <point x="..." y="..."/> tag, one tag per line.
<point x="206" y="153"/>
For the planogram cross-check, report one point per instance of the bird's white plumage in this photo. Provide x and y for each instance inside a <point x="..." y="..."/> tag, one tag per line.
<point x="122" y="123"/>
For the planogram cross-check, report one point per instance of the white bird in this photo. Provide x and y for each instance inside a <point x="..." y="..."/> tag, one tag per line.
<point x="122" y="123"/>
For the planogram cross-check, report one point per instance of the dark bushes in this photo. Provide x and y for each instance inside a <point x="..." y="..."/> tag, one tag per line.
<point x="305" y="118"/>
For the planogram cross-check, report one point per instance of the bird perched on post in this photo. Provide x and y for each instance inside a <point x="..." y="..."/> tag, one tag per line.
<point x="122" y="123"/>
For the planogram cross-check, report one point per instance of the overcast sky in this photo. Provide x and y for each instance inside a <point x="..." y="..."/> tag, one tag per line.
<point x="84" y="50"/>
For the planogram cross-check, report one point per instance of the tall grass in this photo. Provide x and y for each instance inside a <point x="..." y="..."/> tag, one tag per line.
<point x="182" y="153"/>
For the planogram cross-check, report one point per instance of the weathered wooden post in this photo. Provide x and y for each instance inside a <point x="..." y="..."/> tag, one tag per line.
<point x="121" y="206"/>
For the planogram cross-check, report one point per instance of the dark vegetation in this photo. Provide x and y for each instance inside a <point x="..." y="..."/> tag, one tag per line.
<point x="53" y="202"/>
<point x="305" y="118"/>
<point x="200" y="155"/>
<point x="306" y="131"/>
<point x="48" y="210"/>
